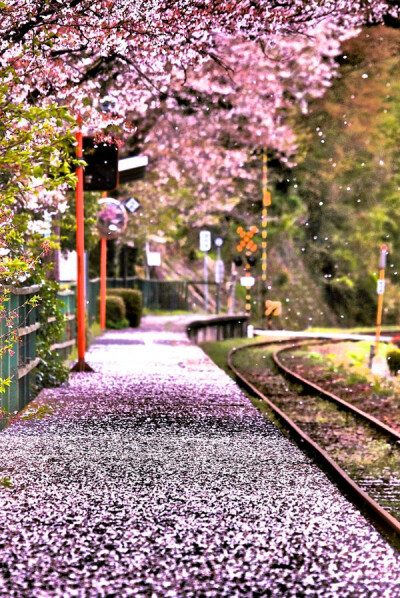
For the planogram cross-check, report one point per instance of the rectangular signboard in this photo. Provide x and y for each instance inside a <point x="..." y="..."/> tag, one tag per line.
<point x="205" y="240"/>
<point x="247" y="281"/>
<point x="219" y="271"/>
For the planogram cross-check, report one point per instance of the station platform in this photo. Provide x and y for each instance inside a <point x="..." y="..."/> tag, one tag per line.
<point x="156" y="477"/>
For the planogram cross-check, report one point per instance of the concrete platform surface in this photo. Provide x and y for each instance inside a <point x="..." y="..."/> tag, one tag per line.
<point x="156" y="477"/>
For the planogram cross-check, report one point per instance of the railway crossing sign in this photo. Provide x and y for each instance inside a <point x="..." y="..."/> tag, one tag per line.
<point x="273" y="308"/>
<point x="247" y="239"/>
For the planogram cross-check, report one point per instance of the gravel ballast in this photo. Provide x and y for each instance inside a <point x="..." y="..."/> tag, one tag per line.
<point x="154" y="476"/>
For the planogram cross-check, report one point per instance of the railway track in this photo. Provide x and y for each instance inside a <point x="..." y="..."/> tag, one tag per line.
<point x="306" y="432"/>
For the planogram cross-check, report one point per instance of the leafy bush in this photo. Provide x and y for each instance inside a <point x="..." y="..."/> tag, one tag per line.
<point x="115" y="312"/>
<point x="393" y="361"/>
<point x="51" y="370"/>
<point x="133" y="304"/>
<point x="396" y="341"/>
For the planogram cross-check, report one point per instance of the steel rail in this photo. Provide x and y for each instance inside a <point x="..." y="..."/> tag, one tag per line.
<point x="373" y="421"/>
<point x="358" y="495"/>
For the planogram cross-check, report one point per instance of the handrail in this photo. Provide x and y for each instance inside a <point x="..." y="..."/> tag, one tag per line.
<point x="218" y="328"/>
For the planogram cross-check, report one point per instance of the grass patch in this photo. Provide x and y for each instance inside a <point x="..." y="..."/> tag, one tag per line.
<point x="218" y="351"/>
<point x="93" y="332"/>
<point x="165" y="312"/>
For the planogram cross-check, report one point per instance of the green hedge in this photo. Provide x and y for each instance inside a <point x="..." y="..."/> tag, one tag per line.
<point x="133" y="303"/>
<point x="393" y="361"/>
<point x="115" y="312"/>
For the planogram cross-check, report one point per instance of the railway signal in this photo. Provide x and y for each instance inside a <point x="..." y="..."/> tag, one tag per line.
<point x="101" y="170"/>
<point x="246" y="243"/>
<point x="251" y="260"/>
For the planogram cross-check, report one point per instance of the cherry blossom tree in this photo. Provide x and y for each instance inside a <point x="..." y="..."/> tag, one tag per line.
<point x="228" y="70"/>
<point x="205" y="81"/>
<point x="76" y="51"/>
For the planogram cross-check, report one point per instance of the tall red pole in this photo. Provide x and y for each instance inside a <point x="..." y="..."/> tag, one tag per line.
<point x="103" y="278"/>
<point x="80" y="366"/>
<point x="103" y="282"/>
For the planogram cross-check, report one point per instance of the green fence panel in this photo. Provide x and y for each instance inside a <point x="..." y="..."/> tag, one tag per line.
<point x="19" y="364"/>
<point x="67" y="297"/>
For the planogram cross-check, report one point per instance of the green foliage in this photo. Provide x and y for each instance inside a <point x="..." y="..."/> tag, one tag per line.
<point x="116" y="312"/>
<point x="393" y="361"/>
<point x="39" y="413"/>
<point x="68" y="223"/>
<point x="133" y="304"/>
<point x="349" y="178"/>
<point x="6" y="483"/>
<point x="51" y="370"/>
<point x="35" y="160"/>
<point x="118" y="325"/>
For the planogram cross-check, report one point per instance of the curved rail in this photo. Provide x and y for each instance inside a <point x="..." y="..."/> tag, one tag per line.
<point x="328" y="395"/>
<point x="358" y="495"/>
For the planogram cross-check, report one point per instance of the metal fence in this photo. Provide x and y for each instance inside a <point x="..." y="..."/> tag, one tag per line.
<point x="67" y="299"/>
<point x="172" y="295"/>
<point x="19" y="364"/>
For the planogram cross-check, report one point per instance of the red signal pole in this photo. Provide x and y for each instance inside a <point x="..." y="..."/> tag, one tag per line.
<point x="81" y="365"/>
<point x="103" y="279"/>
<point x="103" y="282"/>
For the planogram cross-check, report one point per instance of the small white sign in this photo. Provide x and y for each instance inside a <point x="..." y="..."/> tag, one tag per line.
<point x="380" y="287"/>
<point x="46" y="231"/>
<point x="132" y="205"/>
<point x="247" y="281"/>
<point x="219" y="271"/>
<point x="153" y="258"/>
<point x="205" y="240"/>
<point x="68" y="266"/>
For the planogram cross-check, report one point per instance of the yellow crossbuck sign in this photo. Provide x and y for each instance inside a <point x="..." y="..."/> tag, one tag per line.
<point x="273" y="308"/>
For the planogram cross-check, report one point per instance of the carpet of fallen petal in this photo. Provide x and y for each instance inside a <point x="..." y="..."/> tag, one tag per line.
<point x="155" y="477"/>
